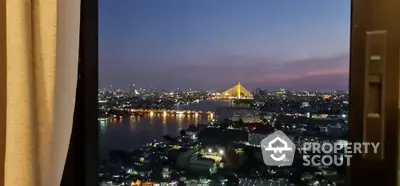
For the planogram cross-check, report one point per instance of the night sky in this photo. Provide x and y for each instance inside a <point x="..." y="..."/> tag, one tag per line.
<point x="213" y="44"/>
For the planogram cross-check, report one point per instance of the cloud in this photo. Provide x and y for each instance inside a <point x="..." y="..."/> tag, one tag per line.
<point x="330" y="72"/>
<point x="260" y="72"/>
<point x="220" y="72"/>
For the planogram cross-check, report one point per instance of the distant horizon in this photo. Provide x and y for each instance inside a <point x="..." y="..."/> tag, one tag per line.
<point x="211" y="45"/>
<point x="222" y="89"/>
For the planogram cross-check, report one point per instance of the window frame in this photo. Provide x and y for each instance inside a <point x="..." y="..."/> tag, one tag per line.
<point x="374" y="16"/>
<point x="82" y="158"/>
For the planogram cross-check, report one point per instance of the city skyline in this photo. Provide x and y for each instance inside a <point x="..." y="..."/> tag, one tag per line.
<point x="214" y="44"/>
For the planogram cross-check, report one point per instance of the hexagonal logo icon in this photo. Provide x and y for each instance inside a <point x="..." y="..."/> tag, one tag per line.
<point x="277" y="149"/>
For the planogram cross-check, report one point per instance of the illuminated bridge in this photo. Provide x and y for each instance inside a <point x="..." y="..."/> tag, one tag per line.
<point x="236" y="92"/>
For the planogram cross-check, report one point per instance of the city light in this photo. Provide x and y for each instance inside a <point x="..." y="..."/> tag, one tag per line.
<point x="165" y="111"/>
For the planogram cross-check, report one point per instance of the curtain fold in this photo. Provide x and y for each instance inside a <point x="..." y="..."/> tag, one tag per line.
<point x="35" y="146"/>
<point x="68" y="24"/>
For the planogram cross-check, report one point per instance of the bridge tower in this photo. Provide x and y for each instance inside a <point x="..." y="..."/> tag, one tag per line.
<point x="237" y="92"/>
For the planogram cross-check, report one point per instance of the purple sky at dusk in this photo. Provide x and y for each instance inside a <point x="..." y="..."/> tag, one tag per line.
<point x="212" y="44"/>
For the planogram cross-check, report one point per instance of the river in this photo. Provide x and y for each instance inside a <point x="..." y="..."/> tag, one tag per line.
<point x="134" y="131"/>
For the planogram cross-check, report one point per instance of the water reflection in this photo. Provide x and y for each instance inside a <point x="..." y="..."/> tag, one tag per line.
<point x="103" y="126"/>
<point x="164" y="123"/>
<point x="196" y="120"/>
<point x="151" y="118"/>
<point x="132" y="123"/>
<point x="133" y="131"/>
<point x="164" y="119"/>
<point x="180" y="118"/>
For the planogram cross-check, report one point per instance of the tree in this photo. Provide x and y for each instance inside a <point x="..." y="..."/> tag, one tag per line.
<point x="226" y="120"/>
<point x="182" y="132"/>
<point x="192" y="126"/>
<point x="240" y="123"/>
<point x="167" y="138"/>
<point x="264" y="120"/>
<point x="232" y="160"/>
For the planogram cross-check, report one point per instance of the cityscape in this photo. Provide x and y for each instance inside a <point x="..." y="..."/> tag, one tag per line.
<point x="221" y="146"/>
<point x="190" y="91"/>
